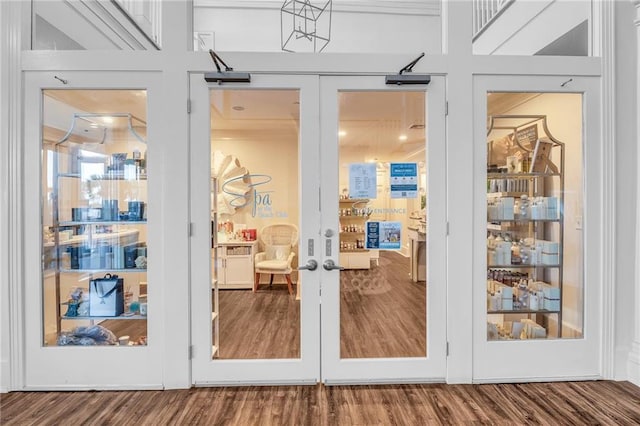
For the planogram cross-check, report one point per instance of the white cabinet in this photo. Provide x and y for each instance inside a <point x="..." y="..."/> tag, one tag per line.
<point x="235" y="264"/>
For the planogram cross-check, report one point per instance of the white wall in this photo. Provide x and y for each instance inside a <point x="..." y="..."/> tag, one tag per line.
<point x="525" y="27"/>
<point x="258" y="30"/>
<point x="626" y="171"/>
<point x="4" y="287"/>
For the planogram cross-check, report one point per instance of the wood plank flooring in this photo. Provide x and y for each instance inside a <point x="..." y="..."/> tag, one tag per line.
<point x="382" y="312"/>
<point x="572" y="403"/>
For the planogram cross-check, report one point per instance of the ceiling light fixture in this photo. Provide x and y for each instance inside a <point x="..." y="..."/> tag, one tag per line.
<point x="342" y="133"/>
<point x="305" y="25"/>
<point x="402" y="137"/>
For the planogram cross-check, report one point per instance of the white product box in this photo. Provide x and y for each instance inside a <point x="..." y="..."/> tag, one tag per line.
<point x="551" y="304"/>
<point x="507" y="208"/>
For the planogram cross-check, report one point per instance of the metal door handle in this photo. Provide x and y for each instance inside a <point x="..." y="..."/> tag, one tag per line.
<point x="311" y="265"/>
<point x="330" y="265"/>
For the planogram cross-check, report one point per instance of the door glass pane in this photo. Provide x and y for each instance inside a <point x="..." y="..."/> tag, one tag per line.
<point x="94" y="217"/>
<point x="534" y="216"/>
<point x="255" y="217"/>
<point x="383" y="229"/>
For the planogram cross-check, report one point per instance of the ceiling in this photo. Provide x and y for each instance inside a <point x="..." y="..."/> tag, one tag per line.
<point x="373" y="121"/>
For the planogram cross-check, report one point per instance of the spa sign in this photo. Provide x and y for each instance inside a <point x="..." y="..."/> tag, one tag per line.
<point x="259" y="197"/>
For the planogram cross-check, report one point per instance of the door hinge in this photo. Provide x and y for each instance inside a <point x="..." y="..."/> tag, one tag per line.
<point x="190" y="229"/>
<point x="191" y="351"/>
<point x="447" y="348"/>
<point x="446" y="108"/>
<point x="188" y="106"/>
<point x="447" y="228"/>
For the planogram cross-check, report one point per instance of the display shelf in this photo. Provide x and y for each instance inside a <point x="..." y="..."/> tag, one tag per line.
<point x="117" y="175"/>
<point x="521" y="175"/>
<point x="102" y="222"/>
<point x="497" y="221"/>
<point x="104" y="270"/>
<point x="91" y="317"/>
<point x="354" y="213"/>
<point x="506" y="194"/>
<point x="102" y="176"/>
<point x="522" y="311"/>
<point x="545" y="159"/>
<point x="523" y="266"/>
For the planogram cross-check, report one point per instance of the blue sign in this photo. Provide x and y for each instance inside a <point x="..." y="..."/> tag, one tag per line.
<point x="383" y="235"/>
<point x="404" y="180"/>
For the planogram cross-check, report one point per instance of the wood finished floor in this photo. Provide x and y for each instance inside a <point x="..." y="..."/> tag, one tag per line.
<point x="572" y="403"/>
<point x="383" y="314"/>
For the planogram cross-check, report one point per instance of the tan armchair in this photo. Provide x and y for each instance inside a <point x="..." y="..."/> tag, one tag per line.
<point x="277" y="242"/>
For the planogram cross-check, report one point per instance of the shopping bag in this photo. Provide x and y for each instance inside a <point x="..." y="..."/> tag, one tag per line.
<point x="106" y="296"/>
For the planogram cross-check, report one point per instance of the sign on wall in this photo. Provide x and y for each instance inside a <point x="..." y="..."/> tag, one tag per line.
<point x="383" y="235"/>
<point x="404" y="180"/>
<point x="362" y="180"/>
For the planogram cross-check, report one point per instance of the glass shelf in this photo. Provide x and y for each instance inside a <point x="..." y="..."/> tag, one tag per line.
<point x="498" y="221"/>
<point x="103" y="222"/>
<point x="119" y="175"/>
<point x="520" y="175"/>
<point x="526" y="265"/>
<point x="89" y="317"/>
<point x="102" y="270"/>
<point x="522" y="311"/>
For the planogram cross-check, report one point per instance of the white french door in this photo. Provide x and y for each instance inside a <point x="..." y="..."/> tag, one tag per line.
<point x="371" y="134"/>
<point x="285" y="150"/>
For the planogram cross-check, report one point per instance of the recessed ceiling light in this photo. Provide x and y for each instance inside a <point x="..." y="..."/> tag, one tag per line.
<point x="107" y="119"/>
<point x="402" y="137"/>
<point x="342" y="133"/>
<point x="237" y="108"/>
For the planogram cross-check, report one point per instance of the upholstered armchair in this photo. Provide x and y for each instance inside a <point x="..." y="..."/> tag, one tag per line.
<point x="277" y="243"/>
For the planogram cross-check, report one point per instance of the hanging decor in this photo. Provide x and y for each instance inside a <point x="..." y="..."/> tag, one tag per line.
<point x="305" y="25"/>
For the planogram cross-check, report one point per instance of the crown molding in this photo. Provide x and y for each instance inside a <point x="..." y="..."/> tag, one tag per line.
<point x="404" y="7"/>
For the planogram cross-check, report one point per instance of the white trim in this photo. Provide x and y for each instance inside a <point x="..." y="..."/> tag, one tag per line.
<point x="405" y="7"/>
<point x="633" y="363"/>
<point x="608" y="87"/>
<point x="11" y="223"/>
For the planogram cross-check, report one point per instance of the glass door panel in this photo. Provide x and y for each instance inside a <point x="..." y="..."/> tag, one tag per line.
<point x="254" y="156"/>
<point x="94" y="289"/>
<point x="94" y="193"/>
<point x="255" y="316"/>
<point x="539" y="303"/>
<point x="382" y="175"/>
<point x="383" y="183"/>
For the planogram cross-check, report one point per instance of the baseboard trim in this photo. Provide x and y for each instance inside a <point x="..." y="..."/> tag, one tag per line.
<point x="633" y="365"/>
<point x="538" y="379"/>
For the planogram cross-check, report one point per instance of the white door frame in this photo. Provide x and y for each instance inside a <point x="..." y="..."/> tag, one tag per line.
<point x="431" y="368"/>
<point x="305" y="369"/>
<point x="65" y="367"/>
<point x="543" y="359"/>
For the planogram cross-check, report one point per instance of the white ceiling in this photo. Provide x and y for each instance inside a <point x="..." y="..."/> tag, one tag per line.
<point x="372" y="121"/>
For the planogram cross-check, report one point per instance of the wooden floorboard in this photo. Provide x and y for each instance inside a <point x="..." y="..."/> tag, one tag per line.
<point x="382" y="312"/>
<point x="571" y="403"/>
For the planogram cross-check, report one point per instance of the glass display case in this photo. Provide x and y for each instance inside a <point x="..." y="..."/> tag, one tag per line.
<point x="525" y="232"/>
<point x="95" y="231"/>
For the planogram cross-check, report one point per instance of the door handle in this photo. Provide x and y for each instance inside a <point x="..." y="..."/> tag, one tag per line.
<point x="330" y="265"/>
<point x="311" y="265"/>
